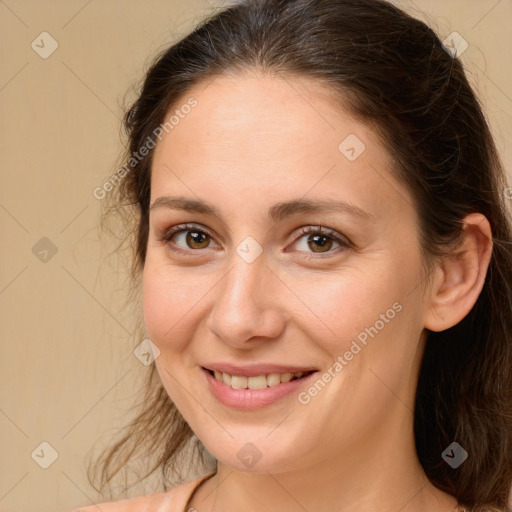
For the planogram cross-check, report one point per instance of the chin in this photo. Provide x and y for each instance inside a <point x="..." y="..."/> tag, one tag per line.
<point x="256" y="454"/>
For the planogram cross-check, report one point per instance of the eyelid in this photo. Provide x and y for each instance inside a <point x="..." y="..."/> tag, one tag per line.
<point x="318" y="229"/>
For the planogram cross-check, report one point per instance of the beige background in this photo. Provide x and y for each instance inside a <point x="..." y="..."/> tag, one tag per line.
<point x="67" y="367"/>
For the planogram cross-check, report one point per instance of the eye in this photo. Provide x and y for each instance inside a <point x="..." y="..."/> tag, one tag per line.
<point x="193" y="238"/>
<point x="319" y="240"/>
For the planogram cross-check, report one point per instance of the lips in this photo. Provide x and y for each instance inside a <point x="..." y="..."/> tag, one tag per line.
<point x="256" y="369"/>
<point x="254" y="397"/>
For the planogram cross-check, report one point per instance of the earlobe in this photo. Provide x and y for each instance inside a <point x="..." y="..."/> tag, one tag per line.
<point x="461" y="276"/>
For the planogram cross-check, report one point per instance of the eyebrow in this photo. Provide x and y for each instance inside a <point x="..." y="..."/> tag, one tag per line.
<point x="276" y="213"/>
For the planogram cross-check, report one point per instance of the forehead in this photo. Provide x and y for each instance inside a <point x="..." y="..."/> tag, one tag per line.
<point x="265" y="137"/>
<point x="242" y="111"/>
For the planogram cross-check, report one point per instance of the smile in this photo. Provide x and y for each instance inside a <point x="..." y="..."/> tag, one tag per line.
<point x="254" y="392"/>
<point x="258" y="381"/>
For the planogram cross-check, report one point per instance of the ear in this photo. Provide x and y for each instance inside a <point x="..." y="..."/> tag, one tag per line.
<point x="460" y="276"/>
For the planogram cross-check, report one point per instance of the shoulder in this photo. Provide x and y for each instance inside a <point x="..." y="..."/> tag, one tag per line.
<point x="174" y="500"/>
<point x="141" y="503"/>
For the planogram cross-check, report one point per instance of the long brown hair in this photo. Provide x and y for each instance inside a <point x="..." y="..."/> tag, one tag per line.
<point x="391" y="71"/>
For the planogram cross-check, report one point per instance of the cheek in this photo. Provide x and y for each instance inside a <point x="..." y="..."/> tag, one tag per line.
<point x="164" y="304"/>
<point x="341" y="305"/>
<point x="362" y="310"/>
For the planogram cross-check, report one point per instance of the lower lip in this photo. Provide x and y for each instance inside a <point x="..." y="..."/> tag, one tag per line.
<point x="250" y="399"/>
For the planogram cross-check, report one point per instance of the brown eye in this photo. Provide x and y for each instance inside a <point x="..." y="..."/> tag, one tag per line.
<point x="196" y="239"/>
<point x="317" y="243"/>
<point x="190" y="240"/>
<point x="186" y="238"/>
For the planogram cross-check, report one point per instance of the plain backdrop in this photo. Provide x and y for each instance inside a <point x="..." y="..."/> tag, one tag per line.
<point x="67" y="366"/>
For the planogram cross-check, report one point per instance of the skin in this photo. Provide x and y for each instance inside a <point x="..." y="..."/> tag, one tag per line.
<point x="252" y="141"/>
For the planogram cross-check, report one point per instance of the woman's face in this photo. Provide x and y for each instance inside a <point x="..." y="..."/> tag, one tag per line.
<point x="243" y="287"/>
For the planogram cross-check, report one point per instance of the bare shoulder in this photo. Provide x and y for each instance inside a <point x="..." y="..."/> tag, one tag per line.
<point x="139" y="504"/>
<point x="173" y="500"/>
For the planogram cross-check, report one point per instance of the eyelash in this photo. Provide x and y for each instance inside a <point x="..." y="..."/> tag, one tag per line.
<point x="167" y="235"/>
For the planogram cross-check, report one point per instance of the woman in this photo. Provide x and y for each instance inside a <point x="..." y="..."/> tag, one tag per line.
<point x="323" y="250"/>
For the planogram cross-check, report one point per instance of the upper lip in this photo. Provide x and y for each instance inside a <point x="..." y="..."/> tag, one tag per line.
<point x="256" y="369"/>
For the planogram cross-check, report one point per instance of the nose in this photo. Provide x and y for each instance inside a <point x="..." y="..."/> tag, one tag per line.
<point x="247" y="308"/>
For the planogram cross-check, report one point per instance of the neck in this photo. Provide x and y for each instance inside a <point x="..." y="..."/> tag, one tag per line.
<point x="379" y="476"/>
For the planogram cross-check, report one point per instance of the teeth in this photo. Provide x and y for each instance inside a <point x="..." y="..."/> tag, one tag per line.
<point x="259" y="382"/>
<point x="256" y="382"/>
<point x="238" y="382"/>
<point x="273" y="379"/>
